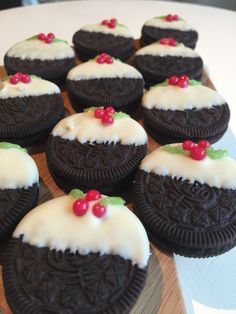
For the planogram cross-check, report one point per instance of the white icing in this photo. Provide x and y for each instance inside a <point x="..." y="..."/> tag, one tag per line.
<point x="38" y="49"/>
<point x="17" y="169"/>
<point x="93" y="70"/>
<point x="162" y="23"/>
<point x="175" y="98"/>
<point x="54" y="225"/>
<point x="36" y="87"/>
<point x="157" y="49"/>
<point x="86" y="128"/>
<point x="219" y="173"/>
<point x="99" y="28"/>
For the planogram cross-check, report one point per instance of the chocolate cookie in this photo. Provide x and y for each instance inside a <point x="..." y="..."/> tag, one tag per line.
<point x="89" y="152"/>
<point x="185" y="195"/>
<point x="108" y="36"/>
<point x="167" y="26"/>
<point x="166" y="58"/>
<point x="104" y="81"/>
<point x="43" y="55"/>
<point x="94" y="267"/>
<point x="29" y="109"/>
<point x="181" y="109"/>
<point x="18" y="187"/>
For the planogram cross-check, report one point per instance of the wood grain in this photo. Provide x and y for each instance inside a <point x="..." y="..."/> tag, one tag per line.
<point x="161" y="294"/>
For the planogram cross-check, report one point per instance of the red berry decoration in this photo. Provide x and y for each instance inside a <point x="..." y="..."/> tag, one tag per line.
<point x="105" y="22"/>
<point x="107" y="119"/>
<point x="99" y="210"/>
<point x="48" y="40"/>
<point x="175" y="17"/>
<point x="80" y="207"/>
<point x="198" y="153"/>
<point x="164" y="41"/>
<point x="108" y="59"/>
<point x="41" y="36"/>
<point x="183" y="83"/>
<point x="171" y="18"/>
<point x="14" y="79"/>
<point x="110" y="109"/>
<point x="99" y="113"/>
<point x="184" y="77"/>
<point x="93" y="195"/>
<point x="104" y="58"/>
<point x="204" y="144"/>
<point x="25" y="78"/>
<point x="110" y="23"/>
<point x="51" y="35"/>
<point x="188" y="145"/>
<point x="172" y="42"/>
<point x="173" y="80"/>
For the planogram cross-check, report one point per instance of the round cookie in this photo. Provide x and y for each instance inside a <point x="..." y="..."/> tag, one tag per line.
<point x="185" y="195"/>
<point x="43" y="55"/>
<point x="170" y="25"/>
<point x="108" y="36"/>
<point x="96" y="266"/>
<point x="18" y="186"/>
<point x="166" y="58"/>
<point x="88" y="152"/>
<point x="181" y="109"/>
<point x="103" y="81"/>
<point x="29" y="108"/>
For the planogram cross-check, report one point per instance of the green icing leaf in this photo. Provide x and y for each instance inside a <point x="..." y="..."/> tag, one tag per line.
<point x="33" y="37"/>
<point x="175" y="149"/>
<point x="77" y="193"/>
<point x="121" y="25"/>
<point x="92" y="108"/>
<point x="216" y="153"/>
<point x="165" y="83"/>
<point x="57" y="40"/>
<point x="194" y="83"/>
<point x="6" y="145"/>
<point x="120" y="115"/>
<point x="113" y="200"/>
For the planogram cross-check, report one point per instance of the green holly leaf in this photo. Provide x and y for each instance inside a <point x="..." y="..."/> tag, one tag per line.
<point x="6" y="145"/>
<point x="121" y="25"/>
<point x="33" y="37"/>
<point x="77" y="193"/>
<point x="175" y="150"/>
<point x="120" y="115"/>
<point x="113" y="200"/>
<point x="58" y="40"/>
<point x="165" y="83"/>
<point x="216" y="153"/>
<point x="194" y="83"/>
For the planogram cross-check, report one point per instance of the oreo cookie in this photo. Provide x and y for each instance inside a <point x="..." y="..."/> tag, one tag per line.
<point x="185" y="195"/>
<point x="94" y="150"/>
<point x="166" y="58"/>
<point x="103" y="81"/>
<point x="170" y="25"/>
<point x="181" y="109"/>
<point x="97" y="265"/>
<point x="29" y="108"/>
<point x="108" y="36"/>
<point x="18" y="187"/>
<point x="42" y="55"/>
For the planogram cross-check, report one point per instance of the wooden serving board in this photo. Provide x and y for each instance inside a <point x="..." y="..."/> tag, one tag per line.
<point x="162" y="292"/>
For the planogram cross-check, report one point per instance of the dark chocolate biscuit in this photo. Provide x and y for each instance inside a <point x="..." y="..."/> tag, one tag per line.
<point x="173" y="114"/>
<point x="27" y="119"/>
<point x="188" y="218"/>
<point x="83" y="151"/>
<point x="88" y="269"/>
<point x="166" y="27"/>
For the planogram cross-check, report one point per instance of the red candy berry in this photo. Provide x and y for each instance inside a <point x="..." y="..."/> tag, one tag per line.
<point x="104" y="58"/>
<point x="99" y="210"/>
<point x="110" y="23"/>
<point x="175" y="17"/>
<point x="107" y="119"/>
<point x="172" y="42"/>
<point x="80" y="207"/>
<point x="99" y="113"/>
<point x="105" y="22"/>
<point x="183" y="83"/>
<point x="51" y="35"/>
<point x="171" y="18"/>
<point x="25" y="78"/>
<point x="108" y="59"/>
<point x="14" y="79"/>
<point x="93" y="195"/>
<point x="41" y="36"/>
<point x="48" y="40"/>
<point x="204" y="144"/>
<point x="198" y="153"/>
<point x="164" y="41"/>
<point x="110" y="109"/>
<point x="173" y="80"/>
<point x="188" y="145"/>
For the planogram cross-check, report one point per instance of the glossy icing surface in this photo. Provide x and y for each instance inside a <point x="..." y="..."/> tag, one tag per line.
<point x="99" y="28"/>
<point x="162" y="23"/>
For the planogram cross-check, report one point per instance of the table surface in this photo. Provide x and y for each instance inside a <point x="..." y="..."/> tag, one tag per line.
<point x="202" y="291"/>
